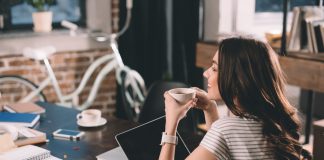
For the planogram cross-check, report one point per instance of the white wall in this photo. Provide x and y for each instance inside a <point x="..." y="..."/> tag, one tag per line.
<point x="245" y="15"/>
<point x="99" y="15"/>
<point x="227" y="16"/>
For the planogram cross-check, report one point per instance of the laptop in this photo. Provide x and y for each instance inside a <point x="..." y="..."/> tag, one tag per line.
<point x="116" y="153"/>
<point x="143" y="142"/>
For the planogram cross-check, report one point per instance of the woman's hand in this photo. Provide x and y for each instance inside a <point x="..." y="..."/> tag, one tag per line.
<point x="174" y="111"/>
<point x="203" y="102"/>
<point x="207" y="105"/>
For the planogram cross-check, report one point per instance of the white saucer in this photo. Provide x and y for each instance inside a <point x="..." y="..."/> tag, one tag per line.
<point x="101" y="122"/>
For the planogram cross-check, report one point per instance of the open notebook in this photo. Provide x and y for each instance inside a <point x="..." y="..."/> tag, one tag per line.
<point x="28" y="152"/>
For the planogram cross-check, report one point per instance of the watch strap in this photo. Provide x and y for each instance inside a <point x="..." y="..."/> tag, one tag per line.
<point x="168" y="139"/>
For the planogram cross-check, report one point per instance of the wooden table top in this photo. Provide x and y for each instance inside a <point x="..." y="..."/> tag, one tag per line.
<point x="95" y="141"/>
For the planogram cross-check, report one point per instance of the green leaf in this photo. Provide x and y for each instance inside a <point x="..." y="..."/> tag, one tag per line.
<point x="41" y="5"/>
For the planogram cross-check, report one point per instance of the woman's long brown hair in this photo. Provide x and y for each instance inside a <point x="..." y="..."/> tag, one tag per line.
<point x="251" y="83"/>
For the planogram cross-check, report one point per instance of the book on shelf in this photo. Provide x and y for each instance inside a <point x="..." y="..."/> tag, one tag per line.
<point x="321" y="26"/>
<point x="24" y="108"/>
<point x="19" y="119"/>
<point x="29" y="136"/>
<point x="302" y="34"/>
<point x="310" y="43"/>
<point x="294" y="38"/>
<point x="29" y="152"/>
<point x="315" y="40"/>
<point x="318" y="38"/>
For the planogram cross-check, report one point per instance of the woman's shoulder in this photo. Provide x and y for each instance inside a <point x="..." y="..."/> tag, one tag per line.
<point x="235" y="119"/>
<point x="235" y="122"/>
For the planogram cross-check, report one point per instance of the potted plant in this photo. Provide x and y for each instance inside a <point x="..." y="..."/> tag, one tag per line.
<point x="42" y="19"/>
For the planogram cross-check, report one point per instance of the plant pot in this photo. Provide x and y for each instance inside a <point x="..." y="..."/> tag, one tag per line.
<point x="42" y="21"/>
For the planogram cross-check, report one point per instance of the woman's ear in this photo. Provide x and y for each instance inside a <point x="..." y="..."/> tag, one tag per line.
<point x="236" y="102"/>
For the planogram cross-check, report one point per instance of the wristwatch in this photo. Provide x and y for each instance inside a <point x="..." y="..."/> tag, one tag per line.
<point x="168" y="139"/>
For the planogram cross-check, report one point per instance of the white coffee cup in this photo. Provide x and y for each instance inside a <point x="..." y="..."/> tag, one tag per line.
<point x="91" y="116"/>
<point x="182" y="95"/>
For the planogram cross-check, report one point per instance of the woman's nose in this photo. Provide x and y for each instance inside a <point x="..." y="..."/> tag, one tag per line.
<point x="206" y="73"/>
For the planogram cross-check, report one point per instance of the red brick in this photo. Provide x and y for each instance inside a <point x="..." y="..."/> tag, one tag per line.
<point x="57" y="60"/>
<point x="111" y="106"/>
<point x="114" y="14"/>
<point x="77" y="60"/>
<point x="2" y="64"/>
<point x="96" y="107"/>
<point x="14" y="72"/>
<point x="21" y="62"/>
<point x="34" y="71"/>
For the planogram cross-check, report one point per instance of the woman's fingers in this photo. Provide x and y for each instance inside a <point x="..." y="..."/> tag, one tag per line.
<point x="199" y="92"/>
<point x="191" y="103"/>
<point x="197" y="89"/>
<point x="167" y="96"/>
<point x="194" y="103"/>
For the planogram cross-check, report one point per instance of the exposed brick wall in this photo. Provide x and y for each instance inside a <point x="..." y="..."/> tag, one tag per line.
<point x="69" y="67"/>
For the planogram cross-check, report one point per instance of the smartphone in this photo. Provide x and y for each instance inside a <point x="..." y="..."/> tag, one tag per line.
<point x="68" y="134"/>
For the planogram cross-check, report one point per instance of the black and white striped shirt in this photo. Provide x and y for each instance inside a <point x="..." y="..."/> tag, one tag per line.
<point x="237" y="139"/>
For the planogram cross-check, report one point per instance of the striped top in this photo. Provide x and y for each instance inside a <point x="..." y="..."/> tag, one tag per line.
<point x="237" y="139"/>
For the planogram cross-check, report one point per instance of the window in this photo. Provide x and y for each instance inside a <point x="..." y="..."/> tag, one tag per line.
<point x="18" y="14"/>
<point x="277" y="6"/>
<point x="268" y="15"/>
<point x="248" y="16"/>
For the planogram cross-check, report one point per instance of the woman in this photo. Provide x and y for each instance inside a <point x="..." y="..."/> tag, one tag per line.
<point x="246" y="75"/>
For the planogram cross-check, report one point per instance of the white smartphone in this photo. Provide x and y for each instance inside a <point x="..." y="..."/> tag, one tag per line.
<point x="68" y="134"/>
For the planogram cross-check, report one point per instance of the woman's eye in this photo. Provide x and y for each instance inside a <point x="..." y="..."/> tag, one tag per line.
<point x="214" y="69"/>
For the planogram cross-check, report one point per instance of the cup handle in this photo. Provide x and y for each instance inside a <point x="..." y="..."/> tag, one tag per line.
<point x="79" y="116"/>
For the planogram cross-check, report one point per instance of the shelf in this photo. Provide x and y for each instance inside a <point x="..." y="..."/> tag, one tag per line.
<point x="12" y="44"/>
<point x="307" y="56"/>
<point x="302" y="69"/>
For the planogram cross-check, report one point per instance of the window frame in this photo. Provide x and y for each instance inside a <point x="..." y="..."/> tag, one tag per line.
<point x="5" y="10"/>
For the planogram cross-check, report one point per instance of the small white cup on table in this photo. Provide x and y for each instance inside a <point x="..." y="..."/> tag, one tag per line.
<point x="89" y="116"/>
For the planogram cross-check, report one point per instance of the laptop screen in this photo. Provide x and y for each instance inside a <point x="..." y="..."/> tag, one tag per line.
<point x="143" y="142"/>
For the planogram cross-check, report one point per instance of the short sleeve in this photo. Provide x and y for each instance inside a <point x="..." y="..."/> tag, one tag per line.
<point x="215" y="142"/>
